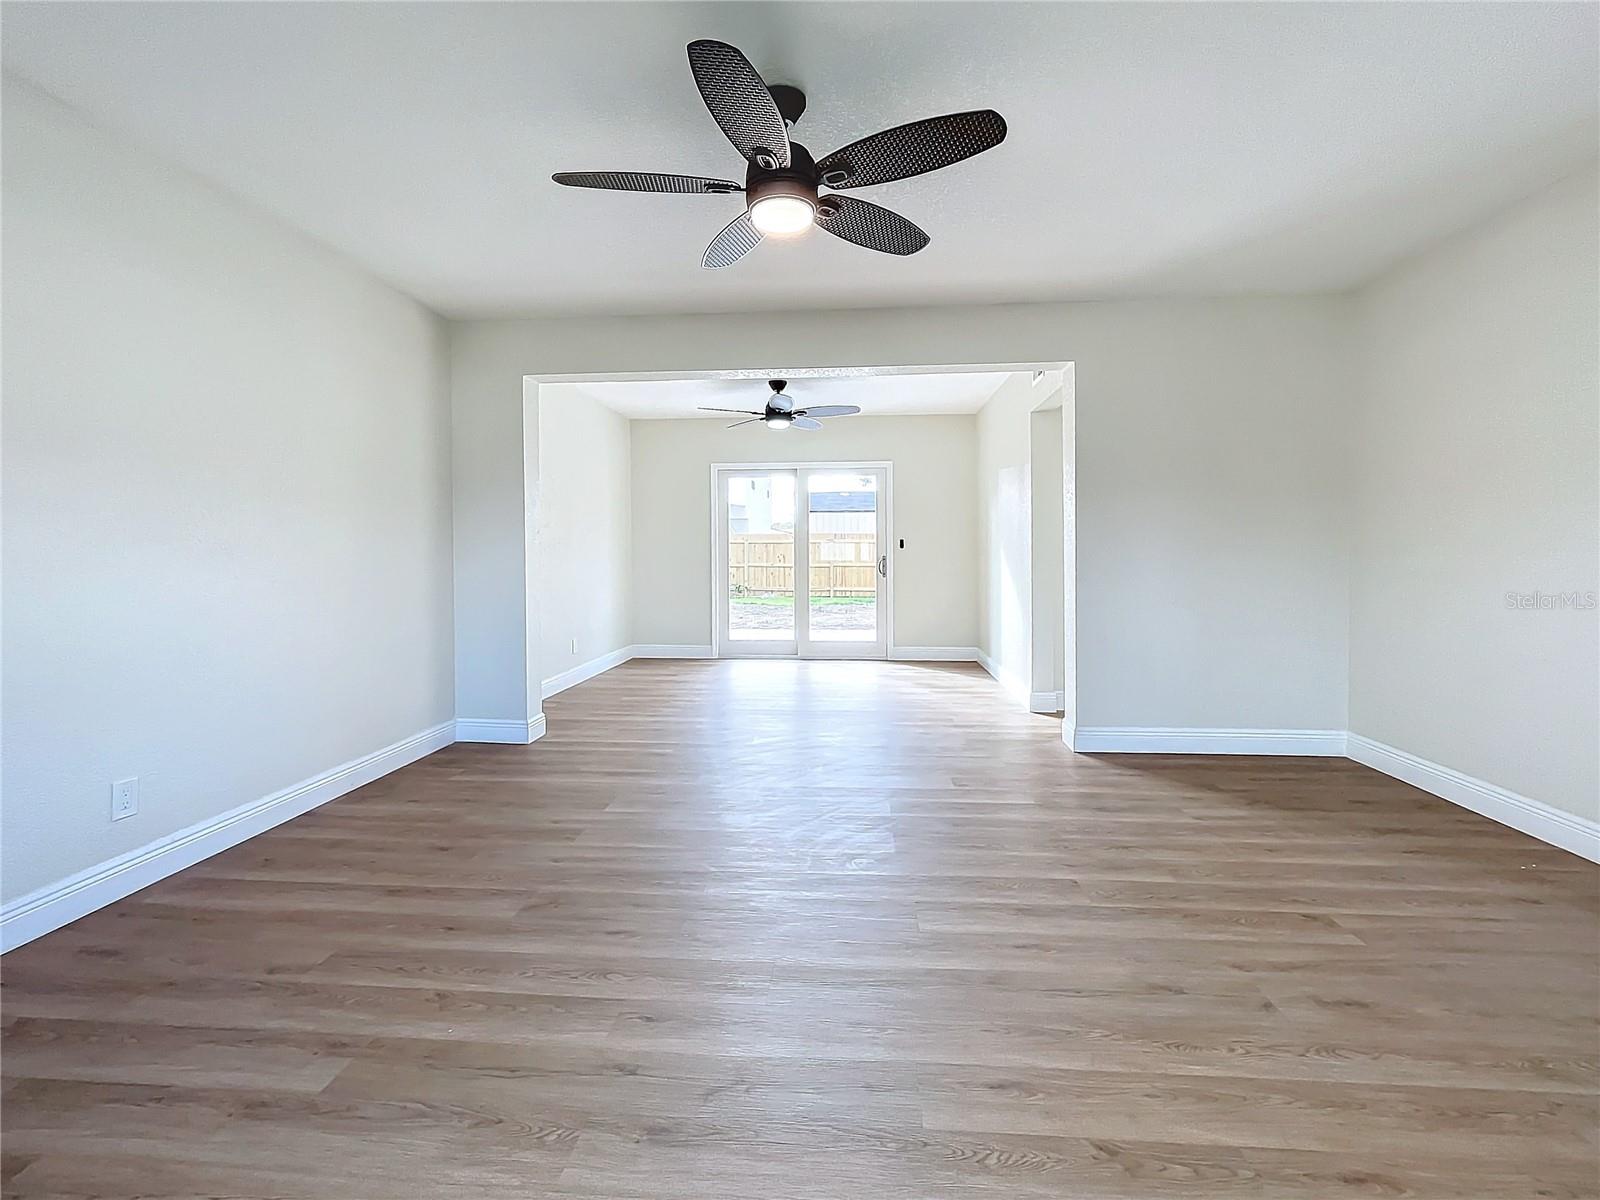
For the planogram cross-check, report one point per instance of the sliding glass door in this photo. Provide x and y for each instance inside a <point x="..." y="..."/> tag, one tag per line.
<point x="843" y="609"/>
<point x="758" y="521"/>
<point x="802" y="562"/>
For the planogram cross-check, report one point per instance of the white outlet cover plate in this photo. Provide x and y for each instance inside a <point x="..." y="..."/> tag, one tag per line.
<point x="124" y="798"/>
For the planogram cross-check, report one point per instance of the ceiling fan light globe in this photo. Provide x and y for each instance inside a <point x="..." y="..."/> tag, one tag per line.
<point x="782" y="215"/>
<point x="779" y="422"/>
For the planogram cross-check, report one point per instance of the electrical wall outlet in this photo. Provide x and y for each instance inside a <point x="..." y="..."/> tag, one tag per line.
<point x="124" y="798"/>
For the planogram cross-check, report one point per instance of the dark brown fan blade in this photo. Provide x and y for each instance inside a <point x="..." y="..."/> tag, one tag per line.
<point x="733" y="243"/>
<point x="869" y="225"/>
<point x="743" y="412"/>
<point x="645" y="181"/>
<point x="736" y="424"/>
<point x="913" y="149"/>
<point x="830" y="410"/>
<point x="739" y="101"/>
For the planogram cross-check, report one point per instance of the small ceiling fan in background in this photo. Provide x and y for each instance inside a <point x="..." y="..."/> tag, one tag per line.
<point x="781" y="177"/>
<point x="780" y="412"/>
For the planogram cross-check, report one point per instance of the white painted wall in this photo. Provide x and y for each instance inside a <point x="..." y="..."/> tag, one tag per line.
<point x="1070" y="648"/>
<point x="1020" y="539"/>
<point x="492" y="513"/>
<point x="582" y="530"/>
<point x="1211" y="495"/>
<point x="1005" y="535"/>
<point x="1476" y="475"/>
<point x="227" y="502"/>
<point x="1212" y="447"/>
<point x="935" y="594"/>
<point x="1048" y="511"/>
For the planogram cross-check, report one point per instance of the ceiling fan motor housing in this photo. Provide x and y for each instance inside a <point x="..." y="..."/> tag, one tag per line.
<point x="791" y="102"/>
<point x="798" y="179"/>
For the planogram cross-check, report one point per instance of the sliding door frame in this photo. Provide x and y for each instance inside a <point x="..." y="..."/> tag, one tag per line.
<point x="723" y="647"/>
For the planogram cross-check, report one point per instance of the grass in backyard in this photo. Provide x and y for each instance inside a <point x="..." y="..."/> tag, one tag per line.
<point x="781" y="601"/>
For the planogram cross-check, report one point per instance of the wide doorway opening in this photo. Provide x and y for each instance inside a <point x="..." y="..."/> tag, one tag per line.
<point x="920" y="515"/>
<point x="802" y="563"/>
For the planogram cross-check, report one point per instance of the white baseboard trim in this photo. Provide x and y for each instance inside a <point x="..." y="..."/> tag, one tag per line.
<point x="1014" y="685"/>
<point x="583" y="671"/>
<point x="649" y="651"/>
<point x="58" y="904"/>
<point x="933" y="654"/>
<point x="1532" y="817"/>
<point x="1159" y="740"/>
<point x="508" y="733"/>
<point x="1048" y="703"/>
<point x="48" y="908"/>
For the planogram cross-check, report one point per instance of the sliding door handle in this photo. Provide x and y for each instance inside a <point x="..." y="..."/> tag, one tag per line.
<point x="883" y="565"/>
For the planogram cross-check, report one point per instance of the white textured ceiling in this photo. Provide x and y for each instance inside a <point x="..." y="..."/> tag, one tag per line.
<point x="1153" y="148"/>
<point x="878" y="395"/>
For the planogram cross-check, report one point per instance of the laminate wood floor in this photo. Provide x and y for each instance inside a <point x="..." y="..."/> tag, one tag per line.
<point x="825" y="931"/>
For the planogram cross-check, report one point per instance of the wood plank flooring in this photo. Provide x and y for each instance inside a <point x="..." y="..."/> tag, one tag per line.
<point x="824" y="931"/>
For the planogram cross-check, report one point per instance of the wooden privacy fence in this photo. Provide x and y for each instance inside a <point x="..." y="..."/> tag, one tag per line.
<point x="842" y="564"/>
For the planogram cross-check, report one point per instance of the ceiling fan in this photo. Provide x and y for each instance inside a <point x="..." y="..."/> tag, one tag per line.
<point x="780" y="412"/>
<point x="781" y="178"/>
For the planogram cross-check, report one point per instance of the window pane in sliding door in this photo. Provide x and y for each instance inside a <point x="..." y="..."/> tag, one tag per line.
<point x="761" y="557"/>
<point x="843" y="511"/>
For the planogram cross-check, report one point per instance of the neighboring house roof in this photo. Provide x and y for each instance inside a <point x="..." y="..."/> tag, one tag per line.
<point x="844" y="502"/>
